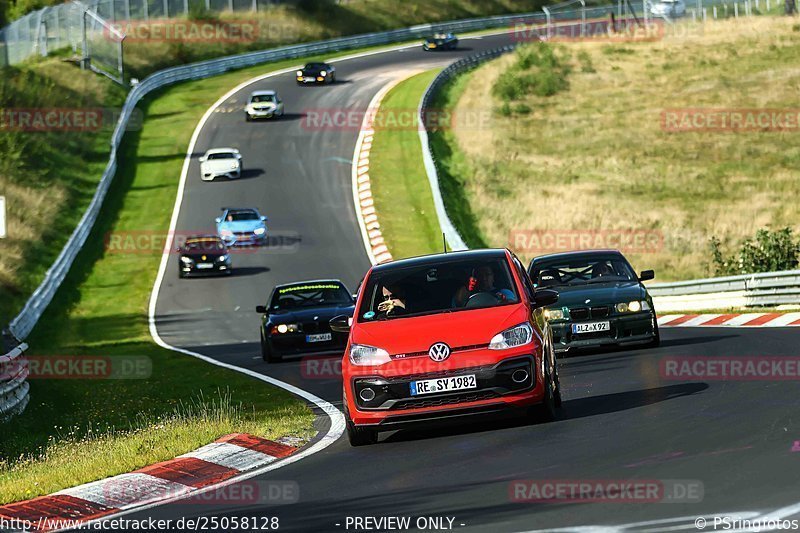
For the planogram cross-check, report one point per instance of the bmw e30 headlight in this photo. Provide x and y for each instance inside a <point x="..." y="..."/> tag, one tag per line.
<point x="554" y="314"/>
<point x="632" y="307"/>
<point x="186" y="260"/>
<point x="260" y="231"/>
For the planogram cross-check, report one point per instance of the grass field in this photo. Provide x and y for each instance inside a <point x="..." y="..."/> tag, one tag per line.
<point x="79" y="431"/>
<point x="48" y="178"/>
<point x="400" y="187"/>
<point x="595" y="158"/>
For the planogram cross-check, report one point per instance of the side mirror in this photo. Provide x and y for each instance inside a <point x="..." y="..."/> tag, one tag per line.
<point x="545" y="297"/>
<point x="263" y="219"/>
<point x="261" y="309"/>
<point x="202" y="159"/>
<point x="647" y="275"/>
<point x="218" y="219"/>
<point x="341" y="323"/>
<point x="355" y="296"/>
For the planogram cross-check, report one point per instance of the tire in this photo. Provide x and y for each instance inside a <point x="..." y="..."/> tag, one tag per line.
<point x="656" y="342"/>
<point x="266" y="352"/>
<point x="360" y="436"/>
<point x="546" y="411"/>
<point x="557" y="379"/>
<point x="248" y="118"/>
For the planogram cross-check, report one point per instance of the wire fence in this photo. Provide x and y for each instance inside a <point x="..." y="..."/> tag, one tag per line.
<point x="86" y="27"/>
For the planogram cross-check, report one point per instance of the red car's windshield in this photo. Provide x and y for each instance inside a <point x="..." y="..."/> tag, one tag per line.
<point x="447" y="286"/>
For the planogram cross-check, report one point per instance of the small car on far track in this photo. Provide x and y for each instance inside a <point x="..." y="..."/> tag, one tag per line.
<point x="203" y="254"/>
<point x="263" y="104"/>
<point x="440" y="41"/>
<point x="316" y="73"/>
<point x="243" y="226"/>
<point x="221" y="163"/>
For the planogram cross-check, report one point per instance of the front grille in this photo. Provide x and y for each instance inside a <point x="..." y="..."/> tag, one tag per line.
<point x="446" y="373"/>
<point x="246" y="234"/>
<point x="316" y="327"/>
<point x="456" y="349"/>
<point x="449" y="400"/>
<point x="583" y="313"/>
<point x="579" y="313"/>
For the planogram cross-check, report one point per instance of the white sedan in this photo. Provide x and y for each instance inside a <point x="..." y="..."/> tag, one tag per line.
<point x="221" y="163"/>
<point x="263" y="104"/>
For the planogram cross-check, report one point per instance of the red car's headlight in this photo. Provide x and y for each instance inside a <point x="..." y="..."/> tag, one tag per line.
<point x="362" y="355"/>
<point x="519" y="335"/>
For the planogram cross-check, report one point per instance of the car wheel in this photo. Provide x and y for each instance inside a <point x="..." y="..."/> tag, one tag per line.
<point x="360" y="436"/>
<point x="248" y="118"/>
<point x="181" y="274"/>
<point x="557" y="382"/>
<point x="266" y="352"/>
<point x="546" y="411"/>
<point x="656" y="342"/>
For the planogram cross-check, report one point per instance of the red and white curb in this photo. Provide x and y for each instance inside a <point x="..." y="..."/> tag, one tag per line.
<point x="219" y="461"/>
<point x="367" y="217"/>
<point x="738" y="320"/>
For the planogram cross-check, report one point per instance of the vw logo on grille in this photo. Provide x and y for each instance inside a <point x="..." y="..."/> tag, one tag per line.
<point x="439" y="352"/>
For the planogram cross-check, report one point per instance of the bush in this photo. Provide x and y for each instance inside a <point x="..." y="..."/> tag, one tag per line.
<point x="538" y="70"/>
<point x="770" y="251"/>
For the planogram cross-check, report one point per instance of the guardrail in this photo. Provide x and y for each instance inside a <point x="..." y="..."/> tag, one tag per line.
<point x="23" y="323"/>
<point x="455" y="69"/>
<point x="749" y="290"/>
<point x="13" y="385"/>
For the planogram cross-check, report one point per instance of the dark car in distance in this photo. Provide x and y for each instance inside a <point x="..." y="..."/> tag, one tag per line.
<point x="297" y="319"/>
<point x="602" y="300"/>
<point x="440" y="41"/>
<point x="316" y="73"/>
<point x="203" y="254"/>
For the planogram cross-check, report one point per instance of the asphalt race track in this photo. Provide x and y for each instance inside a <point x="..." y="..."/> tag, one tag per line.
<point x="621" y="420"/>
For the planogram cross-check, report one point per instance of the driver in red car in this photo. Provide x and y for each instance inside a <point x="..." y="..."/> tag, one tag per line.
<point x="482" y="280"/>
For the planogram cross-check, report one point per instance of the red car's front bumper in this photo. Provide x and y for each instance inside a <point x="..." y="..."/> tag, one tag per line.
<point x="499" y="387"/>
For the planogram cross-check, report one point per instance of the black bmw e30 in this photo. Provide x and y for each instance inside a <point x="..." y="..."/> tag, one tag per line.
<point x="203" y="254"/>
<point x="297" y="319"/>
<point x="602" y="301"/>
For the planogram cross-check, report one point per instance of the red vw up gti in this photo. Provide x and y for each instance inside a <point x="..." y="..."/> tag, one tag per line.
<point x="446" y="336"/>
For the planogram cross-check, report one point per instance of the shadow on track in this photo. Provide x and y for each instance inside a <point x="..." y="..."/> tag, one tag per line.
<point x="572" y="409"/>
